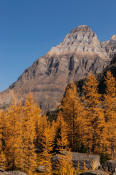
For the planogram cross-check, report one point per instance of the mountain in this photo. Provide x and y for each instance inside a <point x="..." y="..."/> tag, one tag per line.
<point x="110" y="46"/>
<point x="80" y="53"/>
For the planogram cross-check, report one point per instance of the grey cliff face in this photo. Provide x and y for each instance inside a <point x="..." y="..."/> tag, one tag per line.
<point x="110" y="46"/>
<point x="80" y="53"/>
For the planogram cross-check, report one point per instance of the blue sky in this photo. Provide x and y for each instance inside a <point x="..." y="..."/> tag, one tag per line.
<point x="29" y="28"/>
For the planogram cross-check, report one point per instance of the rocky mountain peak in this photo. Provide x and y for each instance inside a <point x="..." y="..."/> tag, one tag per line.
<point x="79" y="54"/>
<point x="114" y="37"/>
<point x="82" y="28"/>
<point x="110" y="46"/>
<point x="81" y="40"/>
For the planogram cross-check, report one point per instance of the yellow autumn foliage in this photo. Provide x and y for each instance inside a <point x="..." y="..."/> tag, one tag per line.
<point x="84" y="123"/>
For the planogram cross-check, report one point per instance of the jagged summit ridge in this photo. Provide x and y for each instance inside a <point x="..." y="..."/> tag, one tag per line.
<point x="83" y="28"/>
<point x="81" y="40"/>
<point x="114" y="37"/>
<point x="110" y="46"/>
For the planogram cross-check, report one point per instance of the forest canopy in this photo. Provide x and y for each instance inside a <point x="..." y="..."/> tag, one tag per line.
<point x="84" y="124"/>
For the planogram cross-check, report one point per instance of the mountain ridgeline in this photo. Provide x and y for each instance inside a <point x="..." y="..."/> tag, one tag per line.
<point x="72" y="60"/>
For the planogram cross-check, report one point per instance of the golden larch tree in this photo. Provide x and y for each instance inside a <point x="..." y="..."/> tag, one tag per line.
<point x="64" y="163"/>
<point x="94" y="135"/>
<point x="47" y="148"/>
<point x="41" y="125"/>
<point x="61" y="134"/>
<point x="110" y="112"/>
<point x="13" y="136"/>
<point x="3" y="160"/>
<point x="72" y="112"/>
<point x="30" y="118"/>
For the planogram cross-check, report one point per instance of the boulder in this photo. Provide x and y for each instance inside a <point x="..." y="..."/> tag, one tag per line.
<point x="110" y="165"/>
<point x="12" y="173"/>
<point x="94" y="172"/>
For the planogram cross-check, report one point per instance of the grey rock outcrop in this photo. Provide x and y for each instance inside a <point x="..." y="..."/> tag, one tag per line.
<point x="12" y="173"/>
<point x="80" y="53"/>
<point x="95" y="172"/>
<point x="110" y="165"/>
<point x="110" y="46"/>
<point x="82" y="160"/>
